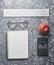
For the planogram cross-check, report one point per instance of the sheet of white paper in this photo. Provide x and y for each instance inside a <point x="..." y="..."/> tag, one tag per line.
<point x="25" y="12"/>
<point x="17" y="44"/>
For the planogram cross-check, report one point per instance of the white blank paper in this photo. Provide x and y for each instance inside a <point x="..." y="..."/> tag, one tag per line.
<point x="17" y="44"/>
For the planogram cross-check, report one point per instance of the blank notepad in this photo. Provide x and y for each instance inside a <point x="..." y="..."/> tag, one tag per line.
<point x="17" y="44"/>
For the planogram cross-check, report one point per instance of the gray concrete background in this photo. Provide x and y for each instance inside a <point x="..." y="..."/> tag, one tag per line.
<point x="8" y="24"/>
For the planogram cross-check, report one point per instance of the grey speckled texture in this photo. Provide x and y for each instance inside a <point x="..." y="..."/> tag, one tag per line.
<point x="32" y="28"/>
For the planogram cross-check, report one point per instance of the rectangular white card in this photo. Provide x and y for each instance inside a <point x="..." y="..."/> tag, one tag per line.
<point x="26" y="12"/>
<point x="17" y="44"/>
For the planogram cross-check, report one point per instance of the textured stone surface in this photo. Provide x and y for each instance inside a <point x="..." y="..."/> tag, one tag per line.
<point x="32" y="28"/>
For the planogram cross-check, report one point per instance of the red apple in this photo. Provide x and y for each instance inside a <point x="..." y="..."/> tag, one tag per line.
<point x="44" y="28"/>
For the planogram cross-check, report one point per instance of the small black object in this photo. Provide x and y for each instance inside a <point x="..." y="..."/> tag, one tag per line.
<point x="42" y="46"/>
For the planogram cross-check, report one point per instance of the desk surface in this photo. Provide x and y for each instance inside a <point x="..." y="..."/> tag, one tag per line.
<point x="6" y="24"/>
